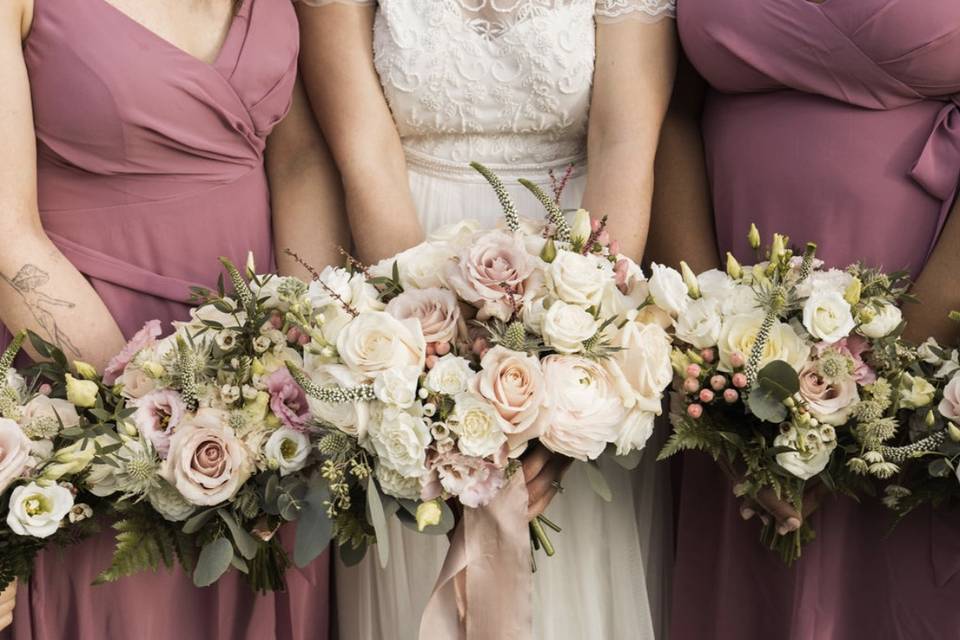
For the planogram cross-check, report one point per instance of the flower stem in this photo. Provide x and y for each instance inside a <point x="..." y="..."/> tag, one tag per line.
<point x="536" y="529"/>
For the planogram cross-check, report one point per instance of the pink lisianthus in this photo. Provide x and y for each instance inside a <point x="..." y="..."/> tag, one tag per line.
<point x="853" y="347"/>
<point x="140" y="341"/>
<point x="474" y="481"/>
<point x="287" y="400"/>
<point x="158" y="415"/>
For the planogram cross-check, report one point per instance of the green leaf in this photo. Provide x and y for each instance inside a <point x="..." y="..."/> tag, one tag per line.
<point x="766" y="405"/>
<point x="245" y="543"/>
<point x="939" y="468"/>
<point x="598" y="482"/>
<point x="215" y="558"/>
<point x="779" y="379"/>
<point x="351" y="556"/>
<point x="197" y="522"/>
<point x="629" y="461"/>
<point x="239" y="564"/>
<point x="314" y="528"/>
<point x="379" y="521"/>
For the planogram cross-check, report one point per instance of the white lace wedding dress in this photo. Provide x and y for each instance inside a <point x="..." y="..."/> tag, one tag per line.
<point x="507" y="83"/>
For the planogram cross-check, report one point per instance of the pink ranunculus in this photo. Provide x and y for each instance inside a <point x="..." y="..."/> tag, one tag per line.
<point x="14" y="452"/>
<point x="513" y="383"/>
<point x="288" y="401"/>
<point x="828" y="402"/>
<point x="158" y="415"/>
<point x="475" y="481"/>
<point x="140" y="341"/>
<point x="950" y="405"/>
<point x="490" y="270"/>
<point x="853" y="347"/>
<point x="207" y="463"/>
<point x="437" y="310"/>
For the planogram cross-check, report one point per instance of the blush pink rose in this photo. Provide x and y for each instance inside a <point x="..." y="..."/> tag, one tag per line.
<point x="853" y="347"/>
<point x="950" y="405"/>
<point x="513" y="383"/>
<point x="141" y="340"/>
<point x="55" y="409"/>
<point x="474" y="481"/>
<point x="437" y="310"/>
<point x="14" y="452"/>
<point x="288" y="401"/>
<point x="829" y="402"/>
<point x="490" y="270"/>
<point x="157" y="417"/>
<point x="207" y="463"/>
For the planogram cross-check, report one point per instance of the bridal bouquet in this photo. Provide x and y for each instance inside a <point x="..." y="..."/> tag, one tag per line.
<point x="478" y="342"/>
<point x="787" y="372"/>
<point x="45" y="446"/>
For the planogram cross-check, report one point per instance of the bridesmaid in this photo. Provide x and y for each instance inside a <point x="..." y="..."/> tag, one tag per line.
<point x="154" y="130"/>
<point x="836" y="122"/>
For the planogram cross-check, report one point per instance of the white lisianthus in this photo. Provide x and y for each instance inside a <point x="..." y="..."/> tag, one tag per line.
<point x="397" y="386"/>
<point x="375" y="342"/>
<point x="915" y="392"/>
<point x="102" y="480"/>
<point x="37" y="510"/>
<point x="450" y="376"/>
<point x="578" y="279"/>
<point x="742" y="299"/>
<point x="827" y="316"/>
<point x="700" y="324"/>
<point x="400" y="440"/>
<point x="715" y="284"/>
<point x="566" y="326"/>
<point x="478" y="425"/>
<point x="811" y="456"/>
<point x="350" y="417"/>
<point x="287" y="450"/>
<point x="82" y="393"/>
<point x="168" y="502"/>
<point x="580" y="230"/>
<point x="396" y="484"/>
<point x="739" y="333"/>
<point x="668" y="290"/>
<point x="888" y="317"/>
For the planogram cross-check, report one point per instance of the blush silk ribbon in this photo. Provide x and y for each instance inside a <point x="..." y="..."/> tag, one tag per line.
<point x="485" y="589"/>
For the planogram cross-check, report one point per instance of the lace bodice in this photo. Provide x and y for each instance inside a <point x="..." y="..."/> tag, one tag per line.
<point x="500" y="81"/>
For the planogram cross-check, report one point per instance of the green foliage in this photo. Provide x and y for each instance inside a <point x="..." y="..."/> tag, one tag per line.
<point x="142" y="544"/>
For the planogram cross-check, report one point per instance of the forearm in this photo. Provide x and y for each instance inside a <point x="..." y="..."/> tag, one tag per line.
<point x="937" y="288"/>
<point x="42" y="291"/>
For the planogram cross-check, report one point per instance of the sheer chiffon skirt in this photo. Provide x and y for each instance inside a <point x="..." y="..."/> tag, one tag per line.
<point x="611" y="571"/>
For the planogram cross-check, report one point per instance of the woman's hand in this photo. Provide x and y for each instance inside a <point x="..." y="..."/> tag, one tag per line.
<point x="7" y="600"/>
<point x="543" y="470"/>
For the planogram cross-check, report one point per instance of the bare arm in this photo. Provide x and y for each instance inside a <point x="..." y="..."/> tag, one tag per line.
<point x="40" y="289"/>
<point x="632" y="81"/>
<point x="682" y="221"/>
<point x="937" y="288"/>
<point x="305" y="190"/>
<point x="344" y="89"/>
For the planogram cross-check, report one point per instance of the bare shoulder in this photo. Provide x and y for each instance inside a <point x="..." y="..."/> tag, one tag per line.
<point x="16" y="16"/>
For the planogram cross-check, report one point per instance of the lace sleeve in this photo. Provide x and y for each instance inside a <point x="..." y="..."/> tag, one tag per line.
<point x="320" y="3"/>
<point x="646" y="10"/>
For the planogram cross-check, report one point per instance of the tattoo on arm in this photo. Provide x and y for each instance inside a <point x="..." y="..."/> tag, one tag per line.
<point x="28" y="283"/>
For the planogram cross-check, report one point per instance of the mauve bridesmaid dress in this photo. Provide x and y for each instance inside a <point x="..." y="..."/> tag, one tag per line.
<point x="150" y="167"/>
<point x="837" y="123"/>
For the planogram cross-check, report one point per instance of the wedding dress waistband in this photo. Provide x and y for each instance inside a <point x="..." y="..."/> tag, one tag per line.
<point x="537" y="172"/>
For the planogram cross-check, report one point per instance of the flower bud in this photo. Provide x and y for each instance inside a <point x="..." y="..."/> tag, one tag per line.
<point x="71" y="460"/>
<point x="580" y="231"/>
<point x="718" y="382"/>
<point x="737" y="360"/>
<point x="694" y="371"/>
<point x="853" y="291"/>
<point x="691" y="385"/>
<point x="954" y="432"/>
<point x="428" y="514"/>
<point x="85" y="370"/>
<point x="251" y="265"/>
<point x="82" y="393"/>
<point x="955" y="316"/>
<point x="707" y="396"/>
<point x="257" y="368"/>
<point x="708" y="355"/>
<point x="930" y="419"/>
<point x="695" y="411"/>
<point x="778" y="249"/>
<point x="754" y="237"/>
<point x="739" y="380"/>
<point x="734" y="270"/>
<point x="731" y="395"/>
<point x="153" y="369"/>
<point x="549" y="252"/>
<point x="690" y="279"/>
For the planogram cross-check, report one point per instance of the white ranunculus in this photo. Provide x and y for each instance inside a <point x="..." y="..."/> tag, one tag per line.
<point x="400" y="440"/>
<point x="350" y="417"/>
<point x="641" y="369"/>
<point x="397" y="485"/>
<point x="888" y="317"/>
<point x="14" y="452"/>
<point x="398" y="386"/>
<point x="375" y="342"/>
<point x="287" y="450"/>
<point x="168" y="502"/>
<point x="700" y="324"/>
<point x="579" y="279"/>
<point x="810" y="456"/>
<point x="450" y="376"/>
<point x="668" y="290"/>
<point x="715" y="284"/>
<point x="739" y="333"/>
<point x="566" y="326"/>
<point x="479" y="427"/>
<point x="37" y="511"/>
<point x="827" y="316"/>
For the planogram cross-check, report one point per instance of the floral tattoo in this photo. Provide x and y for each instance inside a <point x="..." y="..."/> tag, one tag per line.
<point x="28" y="283"/>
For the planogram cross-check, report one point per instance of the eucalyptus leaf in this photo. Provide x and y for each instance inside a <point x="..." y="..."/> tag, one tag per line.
<point x="314" y="528"/>
<point x="246" y="544"/>
<point x="598" y="482"/>
<point x="766" y="406"/>
<point x="239" y="564"/>
<point x="629" y="461"/>
<point x="350" y="556"/>
<point x="215" y="558"/>
<point x="198" y="521"/>
<point x="779" y="379"/>
<point x="378" y="519"/>
<point x="939" y="468"/>
<point x="271" y="493"/>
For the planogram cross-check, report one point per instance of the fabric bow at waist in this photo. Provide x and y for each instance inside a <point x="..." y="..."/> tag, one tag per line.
<point x="938" y="168"/>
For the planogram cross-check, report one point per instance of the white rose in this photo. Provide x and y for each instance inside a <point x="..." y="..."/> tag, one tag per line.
<point x="450" y="376"/>
<point x="532" y="315"/>
<point x="566" y="326"/>
<point x="827" y="316"/>
<point x="739" y="333"/>
<point x="459" y="233"/>
<point x="375" y="342"/>
<point x="363" y="295"/>
<point x="641" y="369"/>
<point x="400" y="440"/>
<point x="397" y="485"/>
<point x="810" y="457"/>
<point x="888" y="318"/>
<point x="168" y="502"/>
<point x="37" y="511"/>
<point x="579" y="279"/>
<point x="14" y="452"/>
<point x="287" y="450"/>
<point x="668" y="290"/>
<point x="700" y="324"/>
<point x="478" y="425"/>
<point x="715" y="284"/>
<point x="337" y="280"/>
<point x="420" y="267"/>
<point x="350" y="417"/>
<point x="397" y="386"/>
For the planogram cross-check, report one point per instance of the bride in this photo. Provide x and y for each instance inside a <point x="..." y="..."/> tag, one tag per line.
<point x="407" y="92"/>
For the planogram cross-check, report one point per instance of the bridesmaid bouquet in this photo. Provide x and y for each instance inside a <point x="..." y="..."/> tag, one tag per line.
<point x="47" y="439"/>
<point x="478" y="342"/>
<point x="788" y="373"/>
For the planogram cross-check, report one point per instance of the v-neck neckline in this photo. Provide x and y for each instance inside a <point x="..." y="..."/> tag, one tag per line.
<point x="217" y="59"/>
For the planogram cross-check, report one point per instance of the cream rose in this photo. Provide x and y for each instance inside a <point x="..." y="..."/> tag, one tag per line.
<point x="827" y="316"/>
<point x="812" y="452"/>
<point x="582" y="408"/>
<point x="739" y="333"/>
<point x="715" y="285"/>
<point x="337" y="280"/>
<point x="888" y="317"/>
<point x="450" y="376"/>
<point x="479" y="428"/>
<point x="831" y="280"/>
<point x="700" y="324"/>
<point x="207" y="463"/>
<point x="566" y="326"/>
<point x="136" y="382"/>
<point x="14" y="453"/>
<point x="578" y="279"/>
<point x="37" y="511"/>
<point x="437" y="310"/>
<point x="375" y="341"/>
<point x="400" y="440"/>
<point x="668" y="290"/>
<point x="397" y="386"/>
<point x="830" y="402"/>
<point x="512" y="383"/>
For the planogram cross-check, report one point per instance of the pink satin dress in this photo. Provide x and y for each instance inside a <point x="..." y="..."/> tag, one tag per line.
<point x="837" y="123"/>
<point x="150" y="167"/>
